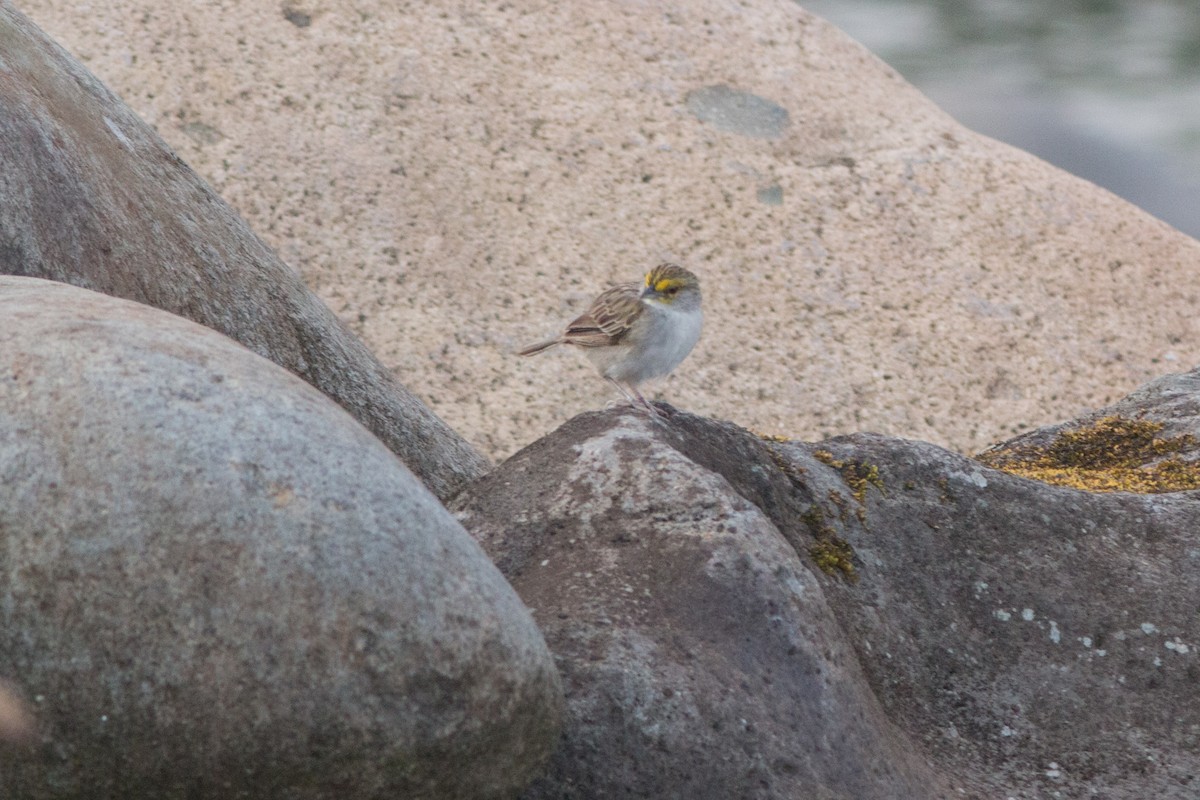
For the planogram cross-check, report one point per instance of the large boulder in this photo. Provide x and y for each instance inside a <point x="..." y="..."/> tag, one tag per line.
<point x="457" y="178"/>
<point x="214" y="583"/>
<point x="745" y="616"/>
<point x="1042" y="639"/>
<point x="699" y="655"/>
<point x="90" y="195"/>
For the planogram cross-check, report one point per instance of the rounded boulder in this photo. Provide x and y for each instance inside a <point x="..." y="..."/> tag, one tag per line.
<point x="215" y="583"/>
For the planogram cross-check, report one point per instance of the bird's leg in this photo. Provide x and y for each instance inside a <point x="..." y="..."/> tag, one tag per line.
<point x="621" y="388"/>
<point x="646" y="404"/>
<point x="635" y="397"/>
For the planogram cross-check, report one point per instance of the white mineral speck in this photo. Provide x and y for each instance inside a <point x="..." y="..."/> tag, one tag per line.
<point x="1002" y="615"/>
<point x="117" y="132"/>
<point x="1027" y="614"/>
<point x="1055" y="635"/>
<point x="545" y="562"/>
<point x="1148" y="628"/>
<point x="1087" y="641"/>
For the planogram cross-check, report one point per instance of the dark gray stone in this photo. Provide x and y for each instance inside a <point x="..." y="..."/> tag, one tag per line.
<point x="1035" y="640"/>
<point x="90" y="195"/>
<point x="736" y="111"/>
<point x="1002" y="637"/>
<point x="699" y="656"/>
<point x="214" y="583"/>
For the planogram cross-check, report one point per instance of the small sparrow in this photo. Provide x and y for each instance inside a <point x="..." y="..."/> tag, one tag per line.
<point x="635" y="332"/>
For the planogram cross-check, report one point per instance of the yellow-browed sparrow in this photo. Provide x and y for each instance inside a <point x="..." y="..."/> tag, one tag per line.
<point x="635" y="332"/>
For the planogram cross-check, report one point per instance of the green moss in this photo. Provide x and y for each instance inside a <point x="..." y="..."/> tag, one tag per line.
<point x="786" y="465"/>
<point x="841" y="504"/>
<point x="825" y="457"/>
<point x="1112" y="454"/>
<point x="832" y="554"/>
<point x="858" y="475"/>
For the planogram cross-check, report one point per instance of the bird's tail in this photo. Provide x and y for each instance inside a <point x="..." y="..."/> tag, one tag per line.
<point x="534" y="349"/>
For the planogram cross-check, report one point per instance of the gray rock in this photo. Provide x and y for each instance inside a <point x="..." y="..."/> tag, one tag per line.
<point x="90" y="195"/>
<point x="981" y="635"/>
<point x="217" y="584"/>
<point x="699" y="655"/>
<point x="1035" y="640"/>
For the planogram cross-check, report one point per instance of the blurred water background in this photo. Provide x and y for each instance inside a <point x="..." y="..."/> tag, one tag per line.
<point x="1106" y="89"/>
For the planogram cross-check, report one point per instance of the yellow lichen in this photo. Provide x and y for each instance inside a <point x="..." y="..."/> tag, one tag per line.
<point x="1112" y="454"/>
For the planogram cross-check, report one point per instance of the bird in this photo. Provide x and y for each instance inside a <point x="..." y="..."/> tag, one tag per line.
<point x="635" y="332"/>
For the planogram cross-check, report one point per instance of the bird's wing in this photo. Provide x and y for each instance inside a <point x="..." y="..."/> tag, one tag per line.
<point x="608" y="319"/>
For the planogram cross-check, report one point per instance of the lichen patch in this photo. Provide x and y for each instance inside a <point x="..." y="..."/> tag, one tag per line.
<point x="1112" y="454"/>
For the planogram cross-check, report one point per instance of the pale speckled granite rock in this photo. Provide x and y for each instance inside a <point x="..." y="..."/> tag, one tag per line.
<point x="443" y="174"/>
<point x="214" y="583"/>
<point x="89" y="195"/>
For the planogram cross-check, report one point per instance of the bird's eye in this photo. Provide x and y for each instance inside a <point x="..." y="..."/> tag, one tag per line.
<point x="673" y="290"/>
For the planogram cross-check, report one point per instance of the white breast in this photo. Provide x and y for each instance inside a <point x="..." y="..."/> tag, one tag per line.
<point x="671" y="335"/>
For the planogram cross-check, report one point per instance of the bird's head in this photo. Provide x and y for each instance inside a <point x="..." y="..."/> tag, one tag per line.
<point x="672" y="285"/>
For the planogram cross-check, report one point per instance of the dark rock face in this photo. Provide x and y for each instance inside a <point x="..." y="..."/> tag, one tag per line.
<point x="1038" y="637"/>
<point x="214" y="583"/>
<point x="90" y="195"/>
<point x="1041" y="638"/>
<point x="1000" y="636"/>
<point x="699" y="655"/>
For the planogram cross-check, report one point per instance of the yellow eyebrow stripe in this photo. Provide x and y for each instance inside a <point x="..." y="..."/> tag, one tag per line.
<point x="664" y="284"/>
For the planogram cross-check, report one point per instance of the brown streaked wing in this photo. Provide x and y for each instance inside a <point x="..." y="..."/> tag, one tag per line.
<point x="607" y="321"/>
